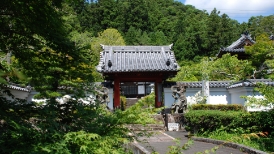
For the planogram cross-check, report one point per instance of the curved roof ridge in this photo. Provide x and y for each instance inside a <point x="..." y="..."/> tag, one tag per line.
<point x="152" y="58"/>
<point x="19" y="88"/>
<point x="250" y="83"/>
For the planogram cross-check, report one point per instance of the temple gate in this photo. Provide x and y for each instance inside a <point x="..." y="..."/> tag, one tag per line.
<point x="137" y="64"/>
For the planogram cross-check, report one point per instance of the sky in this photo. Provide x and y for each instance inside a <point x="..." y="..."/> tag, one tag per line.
<point x="240" y="10"/>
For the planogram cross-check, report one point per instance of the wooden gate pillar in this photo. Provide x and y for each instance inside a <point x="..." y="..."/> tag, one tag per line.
<point x="116" y="93"/>
<point x="158" y="93"/>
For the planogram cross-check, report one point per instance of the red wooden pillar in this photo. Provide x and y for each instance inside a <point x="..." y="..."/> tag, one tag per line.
<point x="158" y="93"/>
<point x="116" y="93"/>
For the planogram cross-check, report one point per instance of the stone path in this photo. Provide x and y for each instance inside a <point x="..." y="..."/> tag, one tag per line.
<point x="162" y="140"/>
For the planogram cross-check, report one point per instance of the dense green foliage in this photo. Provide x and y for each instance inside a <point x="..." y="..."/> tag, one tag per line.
<point x="68" y="128"/>
<point x="56" y="44"/>
<point x="225" y="68"/>
<point x="220" y="107"/>
<point x="211" y="120"/>
<point x="66" y="35"/>
<point x="261" y="55"/>
<point x="261" y="141"/>
<point x="193" y="32"/>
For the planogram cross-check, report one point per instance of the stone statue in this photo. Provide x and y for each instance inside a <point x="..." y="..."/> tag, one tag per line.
<point x="102" y="95"/>
<point x="180" y="102"/>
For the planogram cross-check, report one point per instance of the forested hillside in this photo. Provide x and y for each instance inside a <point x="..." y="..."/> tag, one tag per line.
<point x="194" y="33"/>
<point x="66" y="35"/>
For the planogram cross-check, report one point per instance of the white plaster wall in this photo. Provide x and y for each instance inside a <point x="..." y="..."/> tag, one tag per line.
<point x="190" y="93"/>
<point x="31" y="99"/>
<point x="32" y="93"/>
<point x="258" y="107"/>
<point x="110" y="96"/>
<point x="168" y="99"/>
<point x="217" y="96"/>
<point x="236" y="94"/>
<point x="17" y="94"/>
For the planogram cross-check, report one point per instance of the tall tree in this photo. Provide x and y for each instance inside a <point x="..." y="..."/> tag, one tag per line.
<point x="259" y="25"/>
<point x="109" y="36"/>
<point x="214" y="33"/>
<point x="28" y="25"/>
<point x="226" y="68"/>
<point x="261" y="55"/>
<point x="35" y="34"/>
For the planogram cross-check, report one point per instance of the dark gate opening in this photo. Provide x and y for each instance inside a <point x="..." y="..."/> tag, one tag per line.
<point x="135" y="89"/>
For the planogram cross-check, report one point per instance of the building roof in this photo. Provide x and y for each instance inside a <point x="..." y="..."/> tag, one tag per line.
<point x="114" y="59"/>
<point x="237" y="46"/>
<point x="199" y="84"/>
<point x="251" y="83"/>
<point x="222" y="84"/>
<point x="19" y="88"/>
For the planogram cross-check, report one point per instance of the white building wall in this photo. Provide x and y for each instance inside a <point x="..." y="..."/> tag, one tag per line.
<point x="219" y="96"/>
<point x="110" y="96"/>
<point x="236" y="94"/>
<point x="17" y="94"/>
<point x="168" y="99"/>
<point x="190" y="93"/>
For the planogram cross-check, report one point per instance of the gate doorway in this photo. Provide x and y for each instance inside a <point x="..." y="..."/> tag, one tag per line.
<point x="135" y="89"/>
<point x="133" y="68"/>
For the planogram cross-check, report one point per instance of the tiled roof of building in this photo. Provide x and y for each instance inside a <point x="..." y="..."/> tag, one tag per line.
<point x="251" y="83"/>
<point x="237" y="46"/>
<point x="240" y="43"/>
<point x="17" y="87"/>
<point x="222" y="84"/>
<point x="198" y="84"/>
<point x="212" y="84"/>
<point x="136" y="59"/>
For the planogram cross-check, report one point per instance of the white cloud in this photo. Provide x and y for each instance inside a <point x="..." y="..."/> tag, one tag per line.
<point x="236" y="8"/>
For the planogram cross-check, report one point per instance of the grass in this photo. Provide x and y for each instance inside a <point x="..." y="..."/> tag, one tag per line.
<point x="260" y="141"/>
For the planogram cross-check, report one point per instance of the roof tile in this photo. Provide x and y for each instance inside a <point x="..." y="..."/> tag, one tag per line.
<point x="136" y="58"/>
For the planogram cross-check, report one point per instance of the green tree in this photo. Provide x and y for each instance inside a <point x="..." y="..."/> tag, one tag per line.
<point x="261" y="55"/>
<point x="259" y="25"/>
<point x="35" y="34"/>
<point x="109" y="36"/>
<point x="230" y="68"/>
<point x="226" y="68"/>
<point x="132" y="36"/>
<point x="25" y="28"/>
<point x="158" y="38"/>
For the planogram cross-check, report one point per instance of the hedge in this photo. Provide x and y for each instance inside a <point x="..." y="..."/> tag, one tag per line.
<point x="210" y="120"/>
<point x="221" y="107"/>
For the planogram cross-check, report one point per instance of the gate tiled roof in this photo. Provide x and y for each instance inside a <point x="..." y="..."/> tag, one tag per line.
<point x="137" y="59"/>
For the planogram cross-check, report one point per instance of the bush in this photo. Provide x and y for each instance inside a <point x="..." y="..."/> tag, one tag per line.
<point x="68" y="128"/>
<point x="123" y="102"/>
<point x="221" y="107"/>
<point x="211" y="120"/>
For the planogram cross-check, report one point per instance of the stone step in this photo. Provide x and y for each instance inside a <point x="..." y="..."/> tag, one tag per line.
<point x="131" y="101"/>
<point x="148" y="127"/>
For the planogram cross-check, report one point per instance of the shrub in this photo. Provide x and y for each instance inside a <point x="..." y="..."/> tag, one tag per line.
<point x="221" y="107"/>
<point x="68" y="128"/>
<point x="123" y="102"/>
<point x="211" y="120"/>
